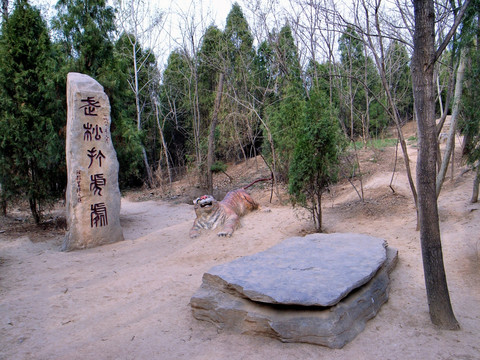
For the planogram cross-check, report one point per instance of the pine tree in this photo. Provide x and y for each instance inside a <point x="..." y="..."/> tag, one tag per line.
<point x="30" y="148"/>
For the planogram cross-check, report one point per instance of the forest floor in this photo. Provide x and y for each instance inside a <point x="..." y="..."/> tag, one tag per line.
<point x="130" y="300"/>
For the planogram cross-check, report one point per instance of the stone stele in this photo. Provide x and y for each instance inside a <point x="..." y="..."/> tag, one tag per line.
<point x="93" y="196"/>
<point x="319" y="289"/>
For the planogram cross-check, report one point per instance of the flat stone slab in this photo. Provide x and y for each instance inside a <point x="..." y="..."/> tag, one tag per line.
<point x="228" y="308"/>
<point x="315" y="270"/>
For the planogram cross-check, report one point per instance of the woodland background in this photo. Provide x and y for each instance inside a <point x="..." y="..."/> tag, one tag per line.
<point x="303" y="84"/>
<point x="297" y="83"/>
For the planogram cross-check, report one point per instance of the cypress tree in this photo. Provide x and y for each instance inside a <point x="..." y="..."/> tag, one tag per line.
<point x="315" y="160"/>
<point x="85" y="29"/>
<point x="286" y="111"/>
<point x="30" y="147"/>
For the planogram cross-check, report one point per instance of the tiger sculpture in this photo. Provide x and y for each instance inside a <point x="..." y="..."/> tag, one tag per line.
<point x="212" y="213"/>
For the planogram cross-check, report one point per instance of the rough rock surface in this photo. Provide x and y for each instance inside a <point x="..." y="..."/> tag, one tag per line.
<point x="93" y="196"/>
<point x="315" y="270"/>
<point x="230" y="306"/>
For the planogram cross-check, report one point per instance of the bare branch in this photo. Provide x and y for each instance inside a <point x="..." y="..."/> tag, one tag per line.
<point x="448" y="37"/>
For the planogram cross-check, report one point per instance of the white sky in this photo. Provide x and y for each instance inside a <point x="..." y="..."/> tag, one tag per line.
<point x="218" y="8"/>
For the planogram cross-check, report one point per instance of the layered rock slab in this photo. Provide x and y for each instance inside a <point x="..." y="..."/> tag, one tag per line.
<point x="320" y="289"/>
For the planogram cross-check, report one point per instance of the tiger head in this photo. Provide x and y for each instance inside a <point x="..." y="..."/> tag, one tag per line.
<point x="205" y="204"/>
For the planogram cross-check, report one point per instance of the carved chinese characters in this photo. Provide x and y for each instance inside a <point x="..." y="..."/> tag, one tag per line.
<point x="93" y="196"/>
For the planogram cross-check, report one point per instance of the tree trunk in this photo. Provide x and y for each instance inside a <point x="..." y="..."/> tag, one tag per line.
<point x="147" y="167"/>
<point x="5" y="9"/>
<point x="441" y="312"/>
<point x="211" y="135"/>
<point x="139" y="111"/>
<point x="380" y="61"/>
<point x="34" y="210"/>
<point x="366" y="121"/>
<point x="476" y="183"/>
<point x="319" y="211"/>
<point x="3" y="202"/>
<point x="164" y="143"/>
<point x="451" y="134"/>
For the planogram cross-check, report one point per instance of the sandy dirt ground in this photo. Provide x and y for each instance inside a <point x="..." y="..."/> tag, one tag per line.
<point x="130" y="300"/>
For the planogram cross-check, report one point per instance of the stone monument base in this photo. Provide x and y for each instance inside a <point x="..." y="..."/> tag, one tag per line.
<point x="229" y="306"/>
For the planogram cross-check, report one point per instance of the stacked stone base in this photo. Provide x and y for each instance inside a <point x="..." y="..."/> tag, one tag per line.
<point x="331" y="326"/>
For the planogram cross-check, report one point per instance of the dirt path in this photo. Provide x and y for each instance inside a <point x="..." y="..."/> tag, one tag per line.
<point x="130" y="300"/>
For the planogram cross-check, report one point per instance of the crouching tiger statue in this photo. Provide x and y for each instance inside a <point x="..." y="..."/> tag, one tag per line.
<point x="212" y="213"/>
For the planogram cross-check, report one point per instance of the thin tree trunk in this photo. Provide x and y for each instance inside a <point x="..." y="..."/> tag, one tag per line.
<point x="453" y="125"/>
<point x="139" y="112"/>
<point x="439" y="92"/>
<point x="319" y="212"/>
<point x="211" y="135"/>
<point x="3" y="202"/>
<point x="34" y="210"/>
<point x="351" y="109"/>
<point x="366" y="121"/>
<point x="447" y="99"/>
<point x="197" y="119"/>
<point x="380" y="61"/>
<point x="441" y="312"/>
<point x="147" y="167"/>
<point x="164" y="144"/>
<point x="476" y="183"/>
<point x="360" y="176"/>
<point x="5" y="9"/>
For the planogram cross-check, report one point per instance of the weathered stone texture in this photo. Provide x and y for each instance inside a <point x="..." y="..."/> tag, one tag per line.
<point x="298" y="318"/>
<point x="315" y="270"/>
<point x="93" y="196"/>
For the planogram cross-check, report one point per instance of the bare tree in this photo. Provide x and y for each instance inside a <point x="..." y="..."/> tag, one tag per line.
<point x="137" y="22"/>
<point x="453" y="124"/>
<point x="192" y="27"/>
<point x="161" y="127"/>
<point x="418" y="26"/>
<point x="423" y="61"/>
<point x="375" y="41"/>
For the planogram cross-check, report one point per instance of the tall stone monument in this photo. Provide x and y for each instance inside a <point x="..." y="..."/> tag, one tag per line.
<point x="93" y="196"/>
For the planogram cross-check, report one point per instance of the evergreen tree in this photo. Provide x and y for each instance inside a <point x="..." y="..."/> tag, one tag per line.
<point x="239" y="40"/>
<point x="30" y="148"/>
<point x="286" y="110"/>
<point x="210" y="63"/>
<point x="315" y="159"/>
<point x="238" y="131"/>
<point x="264" y="70"/>
<point x="362" y="86"/>
<point x="470" y="124"/>
<point x="177" y="109"/>
<point x="125" y="135"/>
<point x="85" y="30"/>
<point x="141" y="82"/>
